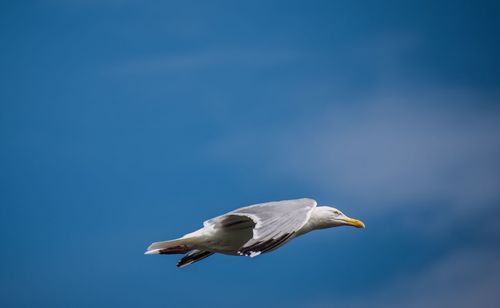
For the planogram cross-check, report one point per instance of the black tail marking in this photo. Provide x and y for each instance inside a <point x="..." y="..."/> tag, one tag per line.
<point x="174" y="250"/>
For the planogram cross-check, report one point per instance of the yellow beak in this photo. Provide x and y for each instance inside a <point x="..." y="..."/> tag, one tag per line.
<point x="354" y="222"/>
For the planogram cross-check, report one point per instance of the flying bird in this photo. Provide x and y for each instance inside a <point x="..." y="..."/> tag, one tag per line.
<point x="253" y="230"/>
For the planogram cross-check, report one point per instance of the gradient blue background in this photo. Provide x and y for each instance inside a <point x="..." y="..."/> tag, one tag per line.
<point x="124" y="123"/>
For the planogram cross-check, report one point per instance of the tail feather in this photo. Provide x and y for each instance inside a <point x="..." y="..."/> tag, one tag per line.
<point x="194" y="256"/>
<point x="169" y="247"/>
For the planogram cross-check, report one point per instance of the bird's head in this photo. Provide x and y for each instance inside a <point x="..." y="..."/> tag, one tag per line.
<point x="335" y="218"/>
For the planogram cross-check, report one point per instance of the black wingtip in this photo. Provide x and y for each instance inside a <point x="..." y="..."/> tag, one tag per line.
<point x="192" y="257"/>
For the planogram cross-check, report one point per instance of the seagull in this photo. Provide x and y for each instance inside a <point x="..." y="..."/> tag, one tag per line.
<point x="254" y="230"/>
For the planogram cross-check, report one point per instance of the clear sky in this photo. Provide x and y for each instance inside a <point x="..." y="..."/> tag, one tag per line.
<point x="128" y="122"/>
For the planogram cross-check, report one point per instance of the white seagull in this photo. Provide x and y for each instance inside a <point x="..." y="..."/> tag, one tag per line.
<point x="255" y="229"/>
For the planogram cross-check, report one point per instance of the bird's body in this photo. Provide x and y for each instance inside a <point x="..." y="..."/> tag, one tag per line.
<point x="252" y="230"/>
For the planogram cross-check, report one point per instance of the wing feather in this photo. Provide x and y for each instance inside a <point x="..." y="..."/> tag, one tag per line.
<point x="273" y="223"/>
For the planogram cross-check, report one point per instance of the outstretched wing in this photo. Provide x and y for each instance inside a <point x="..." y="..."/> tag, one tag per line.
<point x="274" y="223"/>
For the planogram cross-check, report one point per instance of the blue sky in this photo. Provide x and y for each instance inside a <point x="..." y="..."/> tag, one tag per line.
<point x="124" y="123"/>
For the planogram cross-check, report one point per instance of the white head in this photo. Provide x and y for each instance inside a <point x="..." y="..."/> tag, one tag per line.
<point x="328" y="217"/>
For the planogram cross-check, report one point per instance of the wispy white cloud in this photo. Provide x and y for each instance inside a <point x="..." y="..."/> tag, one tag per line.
<point x="463" y="279"/>
<point x="386" y="151"/>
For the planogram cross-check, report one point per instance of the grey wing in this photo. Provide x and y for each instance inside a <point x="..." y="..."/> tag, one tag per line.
<point x="273" y="223"/>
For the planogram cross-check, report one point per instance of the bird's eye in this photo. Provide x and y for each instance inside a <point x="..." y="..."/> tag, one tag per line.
<point x="337" y="213"/>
